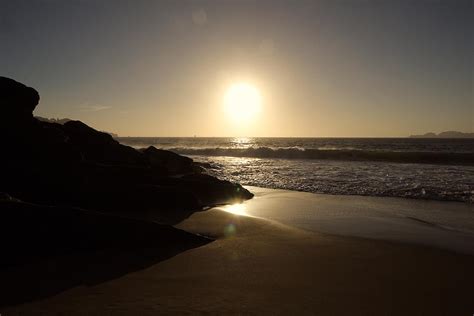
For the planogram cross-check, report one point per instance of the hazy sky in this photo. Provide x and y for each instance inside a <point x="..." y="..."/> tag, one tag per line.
<point x="323" y="68"/>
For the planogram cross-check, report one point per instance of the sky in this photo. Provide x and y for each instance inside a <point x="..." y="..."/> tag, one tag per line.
<point x="334" y="68"/>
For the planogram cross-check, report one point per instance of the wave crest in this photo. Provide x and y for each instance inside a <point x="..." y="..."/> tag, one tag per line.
<point x="346" y="154"/>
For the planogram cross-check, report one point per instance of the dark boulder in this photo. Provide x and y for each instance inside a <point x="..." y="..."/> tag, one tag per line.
<point x="210" y="190"/>
<point x="25" y="138"/>
<point x="83" y="134"/>
<point x="173" y="163"/>
<point x="99" y="146"/>
<point x="17" y="101"/>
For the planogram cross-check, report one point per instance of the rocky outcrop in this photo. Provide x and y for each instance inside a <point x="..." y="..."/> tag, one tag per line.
<point x="173" y="163"/>
<point x="100" y="146"/>
<point x="74" y="165"/>
<point x="17" y="101"/>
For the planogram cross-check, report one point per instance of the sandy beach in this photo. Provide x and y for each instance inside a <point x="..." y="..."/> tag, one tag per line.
<point x="260" y="266"/>
<point x="256" y="157"/>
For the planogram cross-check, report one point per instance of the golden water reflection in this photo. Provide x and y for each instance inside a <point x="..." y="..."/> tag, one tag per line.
<point x="243" y="142"/>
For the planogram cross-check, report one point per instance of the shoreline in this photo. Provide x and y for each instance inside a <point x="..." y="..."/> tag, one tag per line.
<point x="359" y="178"/>
<point x="441" y="224"/>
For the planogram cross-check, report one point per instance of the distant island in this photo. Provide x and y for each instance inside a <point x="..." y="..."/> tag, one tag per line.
<point x="448" y="134"/>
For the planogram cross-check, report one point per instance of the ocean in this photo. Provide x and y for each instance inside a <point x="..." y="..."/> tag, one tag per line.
<point x="436" y="169"/>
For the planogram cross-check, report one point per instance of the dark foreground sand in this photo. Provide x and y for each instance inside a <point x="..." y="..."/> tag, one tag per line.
<point x="261" y="267"/>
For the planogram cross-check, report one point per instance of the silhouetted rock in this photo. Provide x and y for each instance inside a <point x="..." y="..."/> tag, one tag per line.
<point x="213" y="191"/>
<point x="17" y="101"/>
<point x="173" y="163"/>
<point x="99" y="146"/>
<point x="73" y="165"/>
<point x="82" y="134"/>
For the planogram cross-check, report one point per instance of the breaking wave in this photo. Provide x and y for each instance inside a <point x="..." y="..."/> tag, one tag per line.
<point x="336" y="154"/>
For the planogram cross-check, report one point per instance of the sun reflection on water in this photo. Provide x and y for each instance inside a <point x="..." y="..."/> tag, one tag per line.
<point x="242" y="142"/>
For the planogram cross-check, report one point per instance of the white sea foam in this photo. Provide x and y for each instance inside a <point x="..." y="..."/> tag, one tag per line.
<point x="437" y="182"/>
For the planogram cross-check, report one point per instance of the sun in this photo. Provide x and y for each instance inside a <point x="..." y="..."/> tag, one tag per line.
<point x="242" y="102"/>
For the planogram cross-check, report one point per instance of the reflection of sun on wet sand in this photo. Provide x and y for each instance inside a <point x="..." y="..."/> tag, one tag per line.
<point x="257" y="266"/>
<point x="237" y="209"/>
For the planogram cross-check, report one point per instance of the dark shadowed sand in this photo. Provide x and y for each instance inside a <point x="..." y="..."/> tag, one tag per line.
<point x="259" y="266"/>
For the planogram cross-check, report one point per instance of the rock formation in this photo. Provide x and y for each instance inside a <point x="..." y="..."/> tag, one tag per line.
<point x="17" y="101"/>
<point x="72" y="166"/>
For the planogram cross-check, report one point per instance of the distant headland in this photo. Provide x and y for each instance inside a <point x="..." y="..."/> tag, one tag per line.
<point x="448" y="134"/>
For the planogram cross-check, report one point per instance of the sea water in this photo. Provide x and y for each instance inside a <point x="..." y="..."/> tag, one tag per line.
<point x="438" y="169"/>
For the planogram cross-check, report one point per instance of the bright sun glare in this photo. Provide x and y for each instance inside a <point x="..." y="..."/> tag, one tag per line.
<point x="237" y="209"/>
<point x="242" y="102"/>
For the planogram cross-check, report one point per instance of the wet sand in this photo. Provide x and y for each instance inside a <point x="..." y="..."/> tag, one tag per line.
<point x="257" y="266"/>
<point x="440" y="224"/>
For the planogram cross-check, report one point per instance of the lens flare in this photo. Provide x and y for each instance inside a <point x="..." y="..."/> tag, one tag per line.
<point x="230" y="230"/>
